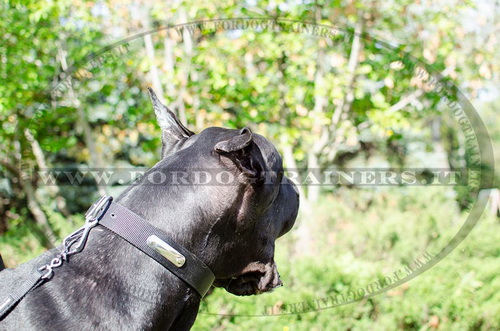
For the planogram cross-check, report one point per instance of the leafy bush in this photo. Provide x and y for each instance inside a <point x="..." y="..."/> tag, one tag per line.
<point x="360" y="236"/>
<point x="363" y="235"/>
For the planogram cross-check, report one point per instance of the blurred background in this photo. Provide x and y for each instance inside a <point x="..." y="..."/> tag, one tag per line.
<point x="345" y="101"/>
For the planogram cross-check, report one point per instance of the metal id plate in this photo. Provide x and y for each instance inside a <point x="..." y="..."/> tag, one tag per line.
<point x="166" y="250"/>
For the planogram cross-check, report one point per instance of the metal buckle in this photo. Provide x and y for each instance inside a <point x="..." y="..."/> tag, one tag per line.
<point x="96" y="211"/>
<point x="92" y="218"/>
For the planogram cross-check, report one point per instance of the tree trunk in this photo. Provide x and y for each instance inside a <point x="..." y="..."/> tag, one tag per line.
<point x="439" y="151"/>
<point x="168" y="45"/>
<point x="33" y="205"/>
<point x="42" y="164"/>
<point x="95" y="161"/>
<point x="186" y="68"/>
<point x="329" y="136"/>
<point x="320" y="102"/>
<point x="155" y="76"/>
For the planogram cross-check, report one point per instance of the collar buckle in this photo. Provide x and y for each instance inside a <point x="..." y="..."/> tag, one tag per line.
<point x="98" y="209"/>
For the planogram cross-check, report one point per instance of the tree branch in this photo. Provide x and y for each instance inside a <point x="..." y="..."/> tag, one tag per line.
<point x="42" y="164"/>
<point x="33" y="205"/>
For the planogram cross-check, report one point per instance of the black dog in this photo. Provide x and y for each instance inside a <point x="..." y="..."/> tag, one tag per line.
<point x="230" y="226"/>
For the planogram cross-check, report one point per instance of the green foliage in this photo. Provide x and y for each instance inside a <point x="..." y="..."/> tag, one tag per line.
<point x="20" y="243"/>
<point x="363" y="236"/>
<point x="272" y="82"/>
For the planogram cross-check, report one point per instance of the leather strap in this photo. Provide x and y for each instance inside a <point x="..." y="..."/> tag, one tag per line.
<point x="136" y="231"/>
<point x="8" y="302"/>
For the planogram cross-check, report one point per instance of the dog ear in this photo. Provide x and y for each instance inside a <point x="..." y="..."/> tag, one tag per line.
<point x="174" y="133"/>
<point x="241" y="151"/>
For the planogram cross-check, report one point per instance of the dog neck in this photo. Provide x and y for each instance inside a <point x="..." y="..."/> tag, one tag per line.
<point x="139" y="284"/>
<point x="140" y="292"/>
<point x="131" y="285"/>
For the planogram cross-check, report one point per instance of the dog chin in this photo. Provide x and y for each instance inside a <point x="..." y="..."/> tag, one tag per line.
<point x="257" y="278"/>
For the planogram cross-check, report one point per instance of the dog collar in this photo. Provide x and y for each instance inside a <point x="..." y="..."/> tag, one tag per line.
<point x="136" y="231"/>
<point x="158" y="245"/>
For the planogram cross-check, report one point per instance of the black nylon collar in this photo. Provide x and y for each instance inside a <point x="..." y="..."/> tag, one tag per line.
<point x="136" y="231"/>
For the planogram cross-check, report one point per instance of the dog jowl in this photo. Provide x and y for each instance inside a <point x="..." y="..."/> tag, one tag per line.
<point x="232" y="228"/>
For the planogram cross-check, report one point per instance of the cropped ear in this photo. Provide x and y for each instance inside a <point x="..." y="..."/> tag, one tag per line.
<point x="242" y="152"/>
<point x="174" y="133"/>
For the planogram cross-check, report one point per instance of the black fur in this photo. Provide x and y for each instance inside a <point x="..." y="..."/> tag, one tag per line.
<point x="111" y="285"/>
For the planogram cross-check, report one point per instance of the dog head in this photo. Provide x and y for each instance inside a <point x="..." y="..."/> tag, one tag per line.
<point x="246" y="207"/>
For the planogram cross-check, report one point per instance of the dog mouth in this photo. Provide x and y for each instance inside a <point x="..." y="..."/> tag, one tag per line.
<point x="256" y="278"/>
